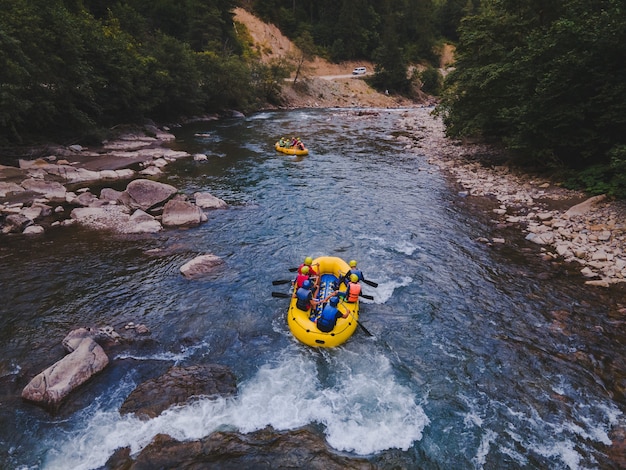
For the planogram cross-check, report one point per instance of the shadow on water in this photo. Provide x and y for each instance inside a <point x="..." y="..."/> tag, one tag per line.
<point x="482" y="356"/>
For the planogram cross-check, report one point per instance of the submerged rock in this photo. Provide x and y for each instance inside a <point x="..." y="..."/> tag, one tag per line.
<point x="177" y="386"/>
<point x="200" y="266"/>
<point x="264" y="449"/>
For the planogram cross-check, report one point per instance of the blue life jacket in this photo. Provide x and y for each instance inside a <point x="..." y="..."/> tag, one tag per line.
<point x="352" y="271"/>
<point x="327" y="321"/>
<point x="304" y="297"/>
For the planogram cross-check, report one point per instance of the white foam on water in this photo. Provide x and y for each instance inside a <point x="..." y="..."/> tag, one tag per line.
<point x="483" y="449"/>
<point x="175" y="357"/>
<point x="555" y="438"/>
<point x="13" y="369"/>
<point x="359" y="401"/>
<point x="561" y="450"/>
<point x="385" y="289"/>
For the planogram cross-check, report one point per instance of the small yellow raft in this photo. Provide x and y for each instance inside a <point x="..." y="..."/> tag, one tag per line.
<point x="330" y="268"/>
<point x="291" y="150"/>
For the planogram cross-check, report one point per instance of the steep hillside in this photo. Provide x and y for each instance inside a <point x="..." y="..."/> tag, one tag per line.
<point x="337" y="88"/>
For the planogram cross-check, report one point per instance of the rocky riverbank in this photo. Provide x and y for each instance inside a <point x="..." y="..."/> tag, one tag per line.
<point x="566" y="225"/>
<point x="56" y="189"/>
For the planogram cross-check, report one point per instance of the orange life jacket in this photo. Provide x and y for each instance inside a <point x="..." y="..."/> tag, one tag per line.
<point x="353" y="291"/>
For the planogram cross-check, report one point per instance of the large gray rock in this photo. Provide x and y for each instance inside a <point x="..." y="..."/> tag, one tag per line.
<point x="50" y="189"/>
<point x="144" y="194"/>
<point x="15" y="223"/>
<point x="142" y="222"/>
<point x="110" y="195"/>
<point x="177" y="386"/>
<point x="264" y="449"/>
<point x="200" y="266"/>
<point x="208" y="201"/>
<point x="8" y="187"/>
<point x="585" y="206"/>
<point x="116" y="219"/>
<point x="52" y="385"/>
<point x="179" y="212"/>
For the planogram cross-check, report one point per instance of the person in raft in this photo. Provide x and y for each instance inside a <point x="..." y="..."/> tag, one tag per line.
<point x="304" y="296"/>
<point x="351" y="294"/>
<point x="297" y="143"/>
<point x="330" y="314"/>
<point x="353" y="270"/>
<point x="313" y="276"/>
<point x="303" y="276"/>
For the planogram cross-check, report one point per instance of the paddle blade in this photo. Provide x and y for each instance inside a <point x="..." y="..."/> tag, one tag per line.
<point x="370" y="283"/>
<point x="279" y="282"/>
<point x="368" y="297"/>
<point x="280" y="295"/>
<point x="293" y="270"/>
<point x="364" y="329"/>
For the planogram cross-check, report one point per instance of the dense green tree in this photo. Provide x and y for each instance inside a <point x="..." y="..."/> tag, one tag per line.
<point x="70" y="66"/>
<point x="549" y="82"/>
<point x="391" y="63"/>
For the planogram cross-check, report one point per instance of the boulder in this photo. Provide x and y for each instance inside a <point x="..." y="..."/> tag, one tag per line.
<point x="8" y="187"/>
<point x="117" y="219"/>
<point x="263" y="449"/>
<point x="110" y="195"/>
<point x="33" y="230"/>
<point x="52" y="385"/>
<point x="142" y="222"/>
<point x="144" y="194"/>
<point x="177" y="386"/>
<point x="585" y="206"/>
<point x="208" y="201"/>
<point x="113" y="218"/>
<point x="179" y="212"/>
<point x="15" y="223"/>
<point x="50" y="189"/>
<point x="86" y="199"/>
<point x="200" y="266"/>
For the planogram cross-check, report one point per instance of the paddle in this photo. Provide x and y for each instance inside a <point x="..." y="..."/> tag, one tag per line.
<point x="365" y="330"/>
<point x="370" y="283"/>
<point x="362" y="327"/>
<point x="293" y="270"/>
<point x="365" y="296"/>
<point x="279" y="282"/>
<point x="281" y="295"/>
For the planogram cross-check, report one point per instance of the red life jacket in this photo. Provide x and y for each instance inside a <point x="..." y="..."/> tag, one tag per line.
<point x="300" y="278"/>
<point x="353" y="291"/>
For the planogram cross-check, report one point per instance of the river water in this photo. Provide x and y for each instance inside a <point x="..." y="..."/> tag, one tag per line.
<point x="476" y="361"/>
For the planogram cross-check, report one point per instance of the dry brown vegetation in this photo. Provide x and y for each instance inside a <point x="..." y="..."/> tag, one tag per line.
<point x="316" y="88"/>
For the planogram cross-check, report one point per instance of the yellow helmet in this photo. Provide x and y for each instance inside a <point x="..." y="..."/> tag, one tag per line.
<point x="352" y="263"/>
<point x="308" y="261"/>
<point x="305" y="270"/>
<point x="354" y="278"/>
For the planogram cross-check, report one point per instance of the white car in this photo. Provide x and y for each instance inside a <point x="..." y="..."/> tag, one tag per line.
<point x="359" y="71"/>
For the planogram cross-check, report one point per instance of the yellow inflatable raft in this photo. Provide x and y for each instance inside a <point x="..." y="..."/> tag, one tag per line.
<point x="291" y="150"/>
<point x="330" y="268"/>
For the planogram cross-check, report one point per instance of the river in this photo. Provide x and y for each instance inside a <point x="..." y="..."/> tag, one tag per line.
<point x="476" y="360"/>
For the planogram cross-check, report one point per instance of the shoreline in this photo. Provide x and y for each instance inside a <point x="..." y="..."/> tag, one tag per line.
<point x="568" y="226"/>
<point x="587" y="233"/>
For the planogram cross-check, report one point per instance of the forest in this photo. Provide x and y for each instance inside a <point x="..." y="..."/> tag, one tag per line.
<point x="545" y="80"/>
